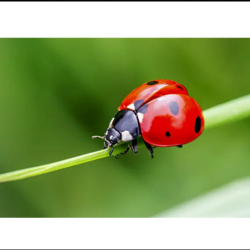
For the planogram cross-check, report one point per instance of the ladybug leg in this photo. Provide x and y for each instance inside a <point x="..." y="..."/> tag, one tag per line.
<point x="179" y="146"/>
<point x="134" y="147"/>
<point x="127" y="149"/>
<point x="111" y="151"/>
<point x="150" y="149"/>
<point x="105" y="145"/>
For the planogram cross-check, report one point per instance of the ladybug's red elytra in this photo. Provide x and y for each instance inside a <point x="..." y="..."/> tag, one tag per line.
<point x="161" y="111"/>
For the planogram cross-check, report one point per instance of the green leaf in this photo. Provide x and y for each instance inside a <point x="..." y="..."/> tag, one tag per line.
<point x="231" y="200"/>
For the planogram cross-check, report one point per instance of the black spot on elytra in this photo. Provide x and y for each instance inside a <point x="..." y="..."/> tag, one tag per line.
<point x="197" y="126"/>
<point x="174" y="107"/>
<point x="179" y="87"/>
<point x="152" y="83"/>
<point x="143" y="109"/>
<point x="138" y="103"/>
<point x="167" y="134"/>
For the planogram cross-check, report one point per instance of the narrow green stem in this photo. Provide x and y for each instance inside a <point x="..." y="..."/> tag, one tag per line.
<point x="225" y="113"/>
<point x="231" y="111"/>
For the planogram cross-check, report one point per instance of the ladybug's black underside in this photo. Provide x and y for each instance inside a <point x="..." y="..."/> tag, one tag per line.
<point x="125" y="127"/>
<point x="126" y="120"/>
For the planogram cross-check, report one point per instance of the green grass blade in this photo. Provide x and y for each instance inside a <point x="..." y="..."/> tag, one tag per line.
<point x="229" y="201"/>
<point x="231" y="111"/>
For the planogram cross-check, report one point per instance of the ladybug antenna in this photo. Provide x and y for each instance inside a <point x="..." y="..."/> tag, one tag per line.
<point x="97" y="136"/>
<point x="104" y="138"/>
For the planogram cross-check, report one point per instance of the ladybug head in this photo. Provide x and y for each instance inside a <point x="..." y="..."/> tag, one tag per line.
<point x="111" y="138"/>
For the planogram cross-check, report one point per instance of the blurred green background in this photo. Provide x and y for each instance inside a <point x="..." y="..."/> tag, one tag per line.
<point x="56" y="93"/>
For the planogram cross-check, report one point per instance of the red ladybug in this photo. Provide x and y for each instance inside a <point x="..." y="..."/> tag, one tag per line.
<point x="161" y="111"/>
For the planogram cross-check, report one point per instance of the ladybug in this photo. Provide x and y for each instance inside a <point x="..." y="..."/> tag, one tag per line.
<point x="161" y="111"/>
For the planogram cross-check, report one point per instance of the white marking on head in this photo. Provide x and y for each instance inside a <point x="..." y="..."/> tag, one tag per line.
<point x="131" y="106"/>
<point x="111" y="122"/>
<point x="140" y="117"/>
<point x="126" y="136"/>
<point x="111" y="137"/>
